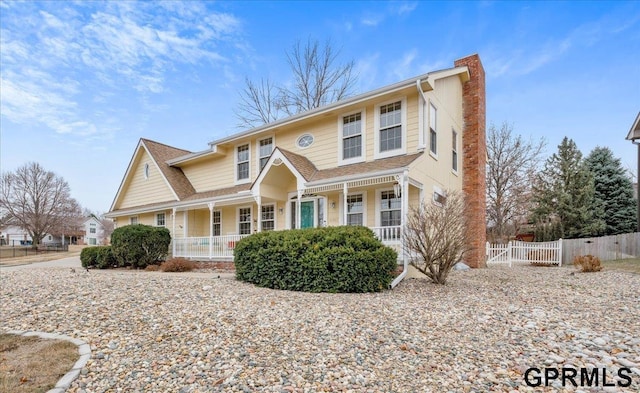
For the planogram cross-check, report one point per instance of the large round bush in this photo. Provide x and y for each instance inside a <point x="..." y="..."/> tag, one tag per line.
<point x="140" y="245"/>
<point x="331" y="259"/>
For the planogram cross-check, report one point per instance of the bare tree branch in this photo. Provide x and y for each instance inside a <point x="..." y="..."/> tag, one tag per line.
<point x="317" y="80"/>
<point x="259" y="103"/>
<point x="513" y="163"/>
<point x="37" y="200"/>
<point x="434" y="236"/>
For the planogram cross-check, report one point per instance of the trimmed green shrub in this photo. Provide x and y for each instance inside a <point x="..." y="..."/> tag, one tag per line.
<point x="105" y="258"/>
<point x="99" y="257"/>
<point x="88" y="256"/>
<point x="140" y="245"/>
<point x="331" y="259"/>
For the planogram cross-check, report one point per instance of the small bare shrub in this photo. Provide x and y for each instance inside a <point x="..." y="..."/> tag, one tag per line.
<point x="435" y="234"/>
<point x="152" y="268"/>
<point x="177" y="265"/>
<point x="589" y="263"/>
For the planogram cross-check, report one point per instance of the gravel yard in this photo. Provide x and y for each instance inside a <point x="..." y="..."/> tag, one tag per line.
<point x="171" y="333"/>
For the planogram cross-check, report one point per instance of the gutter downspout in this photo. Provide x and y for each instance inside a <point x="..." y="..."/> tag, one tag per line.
<point x="419" y="87"/>
<point x="405" y="201"/>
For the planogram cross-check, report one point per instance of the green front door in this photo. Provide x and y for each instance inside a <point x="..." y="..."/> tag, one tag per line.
<point x="306" y="214"/>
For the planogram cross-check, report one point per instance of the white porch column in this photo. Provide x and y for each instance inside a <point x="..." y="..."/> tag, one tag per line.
<point x="211" y="206"/>
<point x="298" y="209"/>
<point x="345" y="191"/>
<point x="259" y="213"/>
<point x="173" y="232"/>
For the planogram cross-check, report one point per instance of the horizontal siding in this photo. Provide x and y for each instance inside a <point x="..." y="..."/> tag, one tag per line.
<point x="219" y="172"/>
<point x="140" y="191"/>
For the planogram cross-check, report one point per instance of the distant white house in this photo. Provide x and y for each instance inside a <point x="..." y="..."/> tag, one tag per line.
<point x="13" y="235"/>
<point x="94" y="232"/>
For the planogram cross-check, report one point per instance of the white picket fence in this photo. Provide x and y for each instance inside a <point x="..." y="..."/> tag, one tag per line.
<point x="544" y="253"/>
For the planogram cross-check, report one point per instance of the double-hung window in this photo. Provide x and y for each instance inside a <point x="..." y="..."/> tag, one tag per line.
<point x="433" y="134"/>
<point x="160" y="219"/>
<point x="355" y="210"/>
<point x="352" y="141"/>
<point x="244" y="220"/>
<point x="265" y="147"/>
<point x="216" y="228"/>
<point x="242" y="162"/>
<point x="133" y="220"/>
<point x="268" y="217"/>
<point x="92" y="230"/>
<point x="391" y="126"/>
<point x="454" y="150"/>
<point x="390" y="206"/>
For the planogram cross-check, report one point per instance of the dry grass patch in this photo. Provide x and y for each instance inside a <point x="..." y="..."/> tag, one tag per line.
<point x="629" y="265"/>
<point x="32" y="364"/>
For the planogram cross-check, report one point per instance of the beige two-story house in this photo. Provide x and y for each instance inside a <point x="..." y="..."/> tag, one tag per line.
<point x="364" y="160"/>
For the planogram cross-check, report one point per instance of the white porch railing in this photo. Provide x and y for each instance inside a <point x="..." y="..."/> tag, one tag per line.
<point x="221" y="247"/>
<point x="548" y="253"/>
<point x="391" y="237"/>
<point x="207" y="247"/>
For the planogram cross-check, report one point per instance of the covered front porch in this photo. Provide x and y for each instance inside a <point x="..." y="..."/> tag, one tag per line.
<point x="290" y="193"/>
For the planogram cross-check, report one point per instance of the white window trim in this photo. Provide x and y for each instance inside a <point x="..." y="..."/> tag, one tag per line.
<point x="422" y="123"/>
<point x="363" y="133"/>
<point x="238" y="218"/>
<point x="428" y="128"/>
<point x="403" y="130"/>
<point x="379" y="192"/>
<point x="273" y="143"/>
<point x="313" y="139"/>
<point x="165" y="220"/>
<point x="235" y="164"/>
<point x="455" y="171"/>
<point x="364" y="206"/>
<point x="275" y="215"/>
<point x="219" y="211"/>
<point x="145" y="171"/>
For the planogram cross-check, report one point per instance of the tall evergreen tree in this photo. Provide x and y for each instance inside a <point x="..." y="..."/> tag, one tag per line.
<point x="563" y="195"/>
<point x="613" y="195"/>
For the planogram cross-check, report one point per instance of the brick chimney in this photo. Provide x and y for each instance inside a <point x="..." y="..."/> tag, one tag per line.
<point x="474" y="148"/>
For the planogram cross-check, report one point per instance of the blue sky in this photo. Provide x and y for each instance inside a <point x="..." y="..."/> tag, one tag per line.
<point x="83" y="81"/>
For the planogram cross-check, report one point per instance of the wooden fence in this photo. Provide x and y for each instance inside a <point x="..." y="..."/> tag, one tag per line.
<point x="606" y="248"/>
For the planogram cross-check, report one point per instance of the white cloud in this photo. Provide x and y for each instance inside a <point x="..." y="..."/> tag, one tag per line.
<point x="112" y="47"/>
<point x="404" y="8"/>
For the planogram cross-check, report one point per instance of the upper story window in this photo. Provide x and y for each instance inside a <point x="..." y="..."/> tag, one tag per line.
<point x="304" y="141"/>
<point x="146" y="171"/>
<point x="265" y="147"/>
<point x="352" y="137"/>
<point x="242" y="162"/>
<point x="391" y="126"/>
<point x="390" y="129"/>
<point x="454" y="150"/>
<point x="160" y="219"/>
<point x="92" y="230"/>
<point x="433" y="134"/>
